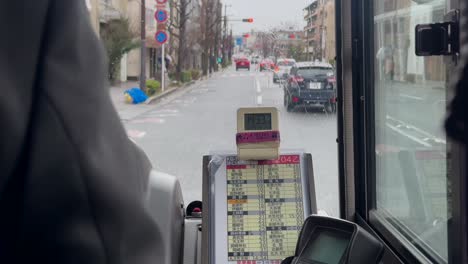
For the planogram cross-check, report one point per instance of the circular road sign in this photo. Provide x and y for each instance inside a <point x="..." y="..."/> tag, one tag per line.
<point x="161" y="1"/>
<point x="161" y="16"/>
<point x="161" y="37"/>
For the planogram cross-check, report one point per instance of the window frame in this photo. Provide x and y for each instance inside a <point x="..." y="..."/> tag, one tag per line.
<point x="364" y="149"/>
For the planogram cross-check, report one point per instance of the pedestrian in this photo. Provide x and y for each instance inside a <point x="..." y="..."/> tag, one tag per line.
<point x="72" y="184"/>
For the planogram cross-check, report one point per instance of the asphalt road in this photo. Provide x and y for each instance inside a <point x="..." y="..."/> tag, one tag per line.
<point x="177" y="132"/>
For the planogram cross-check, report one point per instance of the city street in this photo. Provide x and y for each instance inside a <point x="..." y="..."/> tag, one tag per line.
<point x="178" y="131"/>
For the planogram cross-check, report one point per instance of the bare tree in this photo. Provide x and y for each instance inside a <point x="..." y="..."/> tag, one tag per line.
<point x="210" y="22"/>
<point x="178" y="28"/>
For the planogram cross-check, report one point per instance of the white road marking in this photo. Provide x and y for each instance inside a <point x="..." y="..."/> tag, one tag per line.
<point x="165" y="111"/>
<point x="415" y="139"/>
<point x="149" y="120"/>
<point x="259" y="100"/>
<point x="162" y="115"/>
<point x="136" y="134"/>
<point x="412" y="97"/>
<point x="322" y="213"/>
<point x="259" y="88"/>
<point x="425" y="133"/>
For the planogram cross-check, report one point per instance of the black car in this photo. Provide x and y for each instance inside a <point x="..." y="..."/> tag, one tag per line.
<point x="311" y="84"/>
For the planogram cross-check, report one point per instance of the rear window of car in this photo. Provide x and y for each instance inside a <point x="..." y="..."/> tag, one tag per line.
<point x="315" y="71"/>
<point x="286" y="63"/>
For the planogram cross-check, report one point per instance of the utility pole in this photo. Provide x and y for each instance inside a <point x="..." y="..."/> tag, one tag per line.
<point x="225" y="33"/>
<point x="307" y="33"/>
<point x="143" y="46"/>
<point x="230" y="45"/>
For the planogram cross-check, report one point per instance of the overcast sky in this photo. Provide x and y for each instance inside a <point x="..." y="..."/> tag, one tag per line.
<point x="266" y="13"/>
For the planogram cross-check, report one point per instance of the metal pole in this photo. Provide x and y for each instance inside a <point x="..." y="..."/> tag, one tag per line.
<point x="225" y="34"/>
<point x="163" y="66"/>
<point x="143" y="46"/>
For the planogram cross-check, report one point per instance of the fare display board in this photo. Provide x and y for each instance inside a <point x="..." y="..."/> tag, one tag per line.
<point x="259" y="209"/>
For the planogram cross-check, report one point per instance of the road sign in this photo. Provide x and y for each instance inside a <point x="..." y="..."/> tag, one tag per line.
<point x="161" y="37"/>
<point x="161" y="26"/>
<point x="161" y="16"/>
<point x="161" y="2"/>
<point x="239" y="41"/>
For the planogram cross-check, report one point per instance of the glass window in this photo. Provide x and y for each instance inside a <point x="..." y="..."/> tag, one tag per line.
<point x="285" y="63"/>
<point x="412" y="155"/>
<point x="315" y="72"/>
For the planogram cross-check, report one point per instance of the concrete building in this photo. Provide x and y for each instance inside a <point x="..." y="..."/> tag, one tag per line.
<point x="93" y="8"/>
<point x="329" y="32"/>
<point x="111" y="10"/>
<point x="320" y="32"/>
<point x="286" y="39"/>
<point x="394" y="39"/>
<point x="134" y="57"/>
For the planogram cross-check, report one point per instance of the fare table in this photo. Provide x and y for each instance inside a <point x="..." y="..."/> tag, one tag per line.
<point x="255" y="209"/>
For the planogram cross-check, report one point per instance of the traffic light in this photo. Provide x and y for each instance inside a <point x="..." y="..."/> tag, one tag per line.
<point x="246" y="35"/>
<point x="248" y="20"/>
<point x="292" y="36"/>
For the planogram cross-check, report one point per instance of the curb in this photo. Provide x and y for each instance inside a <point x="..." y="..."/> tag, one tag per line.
<point x="186" y="85"/>
<point x="168" y="92"/>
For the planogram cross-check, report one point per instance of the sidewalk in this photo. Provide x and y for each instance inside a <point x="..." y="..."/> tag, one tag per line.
<point x="129" y="111"/>
<point x="125" y="110"/>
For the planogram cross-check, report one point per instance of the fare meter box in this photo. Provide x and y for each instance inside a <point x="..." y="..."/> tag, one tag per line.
<point x="258" y="136"/>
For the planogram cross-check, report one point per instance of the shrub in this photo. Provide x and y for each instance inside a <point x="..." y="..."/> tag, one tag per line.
<point x="227" y="63"/>
<point x="172" y="75"/>
<point x="118" y="39"/>
<point x="195" y="74"/>
<point x="152" y="87"/>
<point x="186" y="76"/>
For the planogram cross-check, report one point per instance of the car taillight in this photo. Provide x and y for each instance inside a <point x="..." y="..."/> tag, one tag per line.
<point x="298" y="79"/>
<point x="295" y="99"/>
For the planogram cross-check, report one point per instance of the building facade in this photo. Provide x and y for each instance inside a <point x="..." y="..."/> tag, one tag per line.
<point x="320" y="32"/>
<point x="93" y="8"/>
<point x="134" y="56"/>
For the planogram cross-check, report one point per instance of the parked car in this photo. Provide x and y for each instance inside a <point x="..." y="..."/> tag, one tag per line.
<point x="283" y="67"/>
<point x="311" y="84"/>
<point x="267" y="64"/>
<point x="243" y="63"/>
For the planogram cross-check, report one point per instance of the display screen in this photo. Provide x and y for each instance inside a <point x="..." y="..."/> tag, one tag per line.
<point x="326" y="246"/>
<point x="260" y="121"/>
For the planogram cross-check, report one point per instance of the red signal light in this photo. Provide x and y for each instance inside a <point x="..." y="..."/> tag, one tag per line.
<point x="248" y="20"/>
<point x="246" y="35"/>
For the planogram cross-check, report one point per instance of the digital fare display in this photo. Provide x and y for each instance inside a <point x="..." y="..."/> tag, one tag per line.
<point x="260" y="121"/>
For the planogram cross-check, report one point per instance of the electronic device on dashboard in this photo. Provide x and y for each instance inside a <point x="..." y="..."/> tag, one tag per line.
<point x="326" y="240"/>
<point x="258" y="136"/>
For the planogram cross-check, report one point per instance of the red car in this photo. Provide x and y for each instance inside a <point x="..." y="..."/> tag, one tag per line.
<point x="243" y="63"/>
<point x="267" y="64"/>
